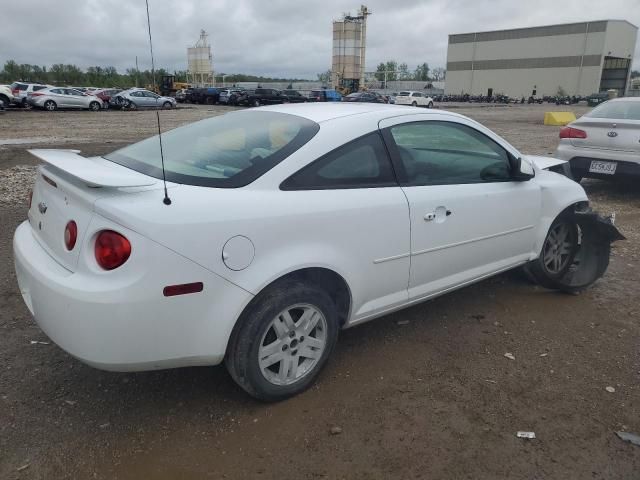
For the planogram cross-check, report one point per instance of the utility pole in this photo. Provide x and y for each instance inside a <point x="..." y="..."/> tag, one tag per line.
<point x="137" y="72"/>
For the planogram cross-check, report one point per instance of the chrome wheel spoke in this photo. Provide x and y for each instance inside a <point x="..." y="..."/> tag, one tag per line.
<point x="292" y="344"/>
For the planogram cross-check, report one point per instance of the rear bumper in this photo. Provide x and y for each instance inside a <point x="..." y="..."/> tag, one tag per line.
<point x="122" y="322"/>
<point x="628" y="163"/>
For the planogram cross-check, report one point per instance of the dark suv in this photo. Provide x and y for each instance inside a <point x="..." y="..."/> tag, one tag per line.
<point x="294" y="96"/>
<point x="266" y="96"/>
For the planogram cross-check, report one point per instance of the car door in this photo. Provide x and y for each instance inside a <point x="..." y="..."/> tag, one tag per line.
<point x="356" y="210"/>
<point x="469" y="219"/>
<point x="77" y="99"/>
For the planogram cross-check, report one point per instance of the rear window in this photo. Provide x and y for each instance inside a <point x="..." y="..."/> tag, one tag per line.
<point x="18" y="86"/>
<point x="227" y="151"/>
<point x="403" y="94"/>
<point x="39" y="87"/>
<point x="622" y="110"/>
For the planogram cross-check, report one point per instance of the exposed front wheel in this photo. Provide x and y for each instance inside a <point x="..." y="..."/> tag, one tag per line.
<point x="50" y="105"/>
<point x="282" y="341"/>
<point x="414" y="104"/>
<point x="575" y="252"/>
<point x="256" y="103"/>
<point x="94" y="106"/>
<point x="430" y="105"/>
<point x="167" y="106"/>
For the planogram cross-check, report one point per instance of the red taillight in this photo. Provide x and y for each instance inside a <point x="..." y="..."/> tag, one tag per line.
<point x="15" y="92"/>
<point x="30" y="198"/>
<point x="36" y="94"/>
<point x="70" y="235"/>
<point x="112" y="249"/>
<point x="570" y="132"/>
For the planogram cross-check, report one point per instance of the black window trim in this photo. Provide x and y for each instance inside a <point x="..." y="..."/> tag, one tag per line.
<point x="346" y="186"/>
<point x="401" y="174"/>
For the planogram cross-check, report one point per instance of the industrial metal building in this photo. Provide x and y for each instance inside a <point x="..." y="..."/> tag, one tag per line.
<point x="577" y="58"/>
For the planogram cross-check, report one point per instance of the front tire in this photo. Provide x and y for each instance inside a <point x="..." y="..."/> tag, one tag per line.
<point x="167" y="106"/>
<point x="282" y="341"/>
<point x="430" y="105"/>
<point x="574" y="255"/>
<point x="94" y="106"/>
<point x="256" y="103"/>
<point x="414" y="104"/>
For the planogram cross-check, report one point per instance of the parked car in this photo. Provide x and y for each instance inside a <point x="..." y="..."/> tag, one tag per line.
<point x="605" y="142"/>
<point x="266" y="96"/>
<point x="6" y="95"/>
<point x="141" y="98"/>
<point x="415" y="99"/>
<point x="369" y="97"/>
<point x="597" y="98"/>
<point x="20" y="90"/>
<point x="181" y="95"/>
<point x="209" y="95"/>
<point x="105" y="95"/>
<point x="325" y="96"/>
<point x="226" y="94"/>
<point x="392" y="97"/>
<point x="239" y="97"/>
<point x="265" y="283"/>
<point x="191" y="95"/>
<point x="293" y="96"/>
<point x="54" y="98"/>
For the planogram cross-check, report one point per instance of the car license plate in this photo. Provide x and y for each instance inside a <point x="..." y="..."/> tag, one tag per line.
<point x="607" y="168"/>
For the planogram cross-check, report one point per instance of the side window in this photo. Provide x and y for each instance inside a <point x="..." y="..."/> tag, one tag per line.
<point x="448" y="153"/>
<point x="362" y="163"/>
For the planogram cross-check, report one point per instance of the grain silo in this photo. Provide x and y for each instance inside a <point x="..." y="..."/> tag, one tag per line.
<point x="349" y="47"/>
<point x="200" y="63"/>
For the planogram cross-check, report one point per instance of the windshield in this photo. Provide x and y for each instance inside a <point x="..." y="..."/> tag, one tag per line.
<point x="226" y="151"/>
<point x="622" y="110"/>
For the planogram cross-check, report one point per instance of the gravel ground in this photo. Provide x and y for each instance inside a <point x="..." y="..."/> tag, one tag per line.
<point x="424" y="393"/>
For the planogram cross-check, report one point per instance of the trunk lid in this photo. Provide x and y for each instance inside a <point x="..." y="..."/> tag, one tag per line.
<point x="618" y="135"/>
<point x="66" y="189"/>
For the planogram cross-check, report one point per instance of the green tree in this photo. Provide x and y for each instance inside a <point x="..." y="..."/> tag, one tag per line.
<point x="403" y="72"/>
<point x="421" y="72"/>
<point x="325" y="77"/>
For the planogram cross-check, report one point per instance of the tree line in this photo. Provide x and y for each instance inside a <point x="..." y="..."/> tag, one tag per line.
<point x="400" y="71"/>
<point x="101" y="76"/>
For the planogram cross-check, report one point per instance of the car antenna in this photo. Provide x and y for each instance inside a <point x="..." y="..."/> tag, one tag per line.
<point x="166" y="200"/>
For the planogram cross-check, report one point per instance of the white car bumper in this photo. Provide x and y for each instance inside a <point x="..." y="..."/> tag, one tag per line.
<point x="124" y="322"/>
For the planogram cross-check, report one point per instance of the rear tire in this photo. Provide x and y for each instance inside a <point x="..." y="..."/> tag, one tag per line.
<point x="130" y="105"/>
<point x="50" y="105"/>
<point x="282" y="341"/>
<point x="256" y="103"/>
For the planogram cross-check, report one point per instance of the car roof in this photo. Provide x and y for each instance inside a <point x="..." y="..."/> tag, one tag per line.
<point x="322" y="112"/>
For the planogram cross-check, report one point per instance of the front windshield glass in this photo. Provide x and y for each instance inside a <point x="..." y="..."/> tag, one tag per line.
<point x="620" y="110"/>
<point x="229" y="150"/>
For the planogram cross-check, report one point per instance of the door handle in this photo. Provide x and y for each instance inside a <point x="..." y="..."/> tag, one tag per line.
<point x="437" y="214"/>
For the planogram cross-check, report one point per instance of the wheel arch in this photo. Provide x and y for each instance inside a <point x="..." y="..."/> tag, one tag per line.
<point x="327" y="279"/>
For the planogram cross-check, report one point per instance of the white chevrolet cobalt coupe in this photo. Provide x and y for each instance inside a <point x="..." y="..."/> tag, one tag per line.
<point x="280" y="226"/>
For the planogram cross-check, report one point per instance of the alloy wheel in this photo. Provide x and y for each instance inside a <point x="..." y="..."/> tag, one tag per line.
<point x="292" y="344"/>
<point x="559" y="248"/>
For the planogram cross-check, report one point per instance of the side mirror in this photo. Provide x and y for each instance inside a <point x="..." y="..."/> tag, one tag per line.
<point x="521" y="170"/>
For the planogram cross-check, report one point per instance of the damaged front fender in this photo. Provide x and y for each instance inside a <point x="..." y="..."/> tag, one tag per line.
<point x="590" y="256"/>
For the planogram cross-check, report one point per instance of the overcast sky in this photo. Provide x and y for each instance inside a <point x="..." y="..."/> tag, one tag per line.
<point x="267" y="37"/>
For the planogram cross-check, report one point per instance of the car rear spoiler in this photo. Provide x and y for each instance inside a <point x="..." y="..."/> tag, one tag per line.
<point x="94" y="171"/>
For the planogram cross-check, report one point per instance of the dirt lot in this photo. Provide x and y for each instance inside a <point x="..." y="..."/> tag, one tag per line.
<point x="431" y="398"/>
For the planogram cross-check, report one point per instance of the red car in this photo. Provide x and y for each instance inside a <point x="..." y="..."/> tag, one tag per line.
<point x="105" y="94"/>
